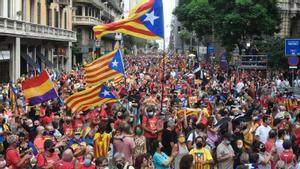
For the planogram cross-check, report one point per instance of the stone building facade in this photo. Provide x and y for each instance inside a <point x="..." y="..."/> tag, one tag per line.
<point x="34" y="35"/>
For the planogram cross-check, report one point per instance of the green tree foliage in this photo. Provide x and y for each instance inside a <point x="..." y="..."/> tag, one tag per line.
<point x="233" y="21"/>
<point x="274" y="48"/>
<point x="196" y="16"/>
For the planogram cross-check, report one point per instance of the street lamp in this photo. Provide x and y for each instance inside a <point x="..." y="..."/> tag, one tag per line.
<point x="248" y="44"/>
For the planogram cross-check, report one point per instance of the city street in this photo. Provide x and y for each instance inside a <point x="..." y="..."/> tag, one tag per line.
<point x="149" y="84"/>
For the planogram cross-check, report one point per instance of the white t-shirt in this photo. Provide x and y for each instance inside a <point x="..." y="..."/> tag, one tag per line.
<point x="279" y="146"/>
<point x="297" y="82"/>
<point x="263" y="133"/>
<point x="173" y="74"/>
<point x="239" y="87"/>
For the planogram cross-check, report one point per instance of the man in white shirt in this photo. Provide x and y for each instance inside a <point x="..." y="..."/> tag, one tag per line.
<point x="297" y="82"/>
<point x="239" y="86"/>
<point x="262" y="132"/>
<point x="279" y="141"/>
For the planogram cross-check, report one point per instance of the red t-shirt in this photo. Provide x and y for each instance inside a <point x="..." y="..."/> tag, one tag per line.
<point x="269" y="145"/>
<point x="44" y="160"/>
<point x="150" y="123"/>
<point x="64" y="165"/>
<point x="92" y="166"/>
<point x="12" y="158"/>
<point x="287" y="156"/>
<point x="68" y="129"/>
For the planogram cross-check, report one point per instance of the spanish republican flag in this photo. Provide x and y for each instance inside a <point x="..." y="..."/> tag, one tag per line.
<point x="145" y="21"/>
<point x="90" y="98"/>
<point x="107" y="67"/>
<point x="39" y="89"/>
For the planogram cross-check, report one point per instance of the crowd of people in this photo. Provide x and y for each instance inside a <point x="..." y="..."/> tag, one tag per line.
<point x="174" y="113"/>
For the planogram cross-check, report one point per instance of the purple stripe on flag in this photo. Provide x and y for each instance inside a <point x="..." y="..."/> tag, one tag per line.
<point x="41" y="99"/>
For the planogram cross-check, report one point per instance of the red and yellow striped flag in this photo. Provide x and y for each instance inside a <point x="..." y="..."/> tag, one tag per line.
<point x="99" y="71"/>
<point x="145" y="21"/>
<point x="90" y="98"/>
<point x="164" y="59"/>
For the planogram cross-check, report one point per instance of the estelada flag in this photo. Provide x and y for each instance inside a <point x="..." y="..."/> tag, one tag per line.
<point x="39" y="89"/>
<point x="89" y="98"/>
<point x="106" y="68"/>
<point x="146" y="21"/>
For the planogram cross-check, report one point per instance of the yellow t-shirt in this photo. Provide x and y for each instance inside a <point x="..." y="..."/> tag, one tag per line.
<point x="201" y="155"/>
<point x="101" y="144"/>
<point x="249" y="136"/>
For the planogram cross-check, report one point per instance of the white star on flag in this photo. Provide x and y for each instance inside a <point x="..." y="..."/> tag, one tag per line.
<point x="115" y="63"/>
<point x="151" y="17"/>
<point x="106" y="93"/>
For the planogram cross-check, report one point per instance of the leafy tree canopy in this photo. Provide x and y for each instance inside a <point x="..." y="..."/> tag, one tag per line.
<point x="232" y="20"/>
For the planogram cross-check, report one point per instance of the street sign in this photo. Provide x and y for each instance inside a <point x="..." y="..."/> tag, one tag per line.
<point x="293" y="67"/>
<point x="210" y="50"/>
<point x="292" y="47"/>
<point x="293" y="60"/>
<point x="202" y="50"/>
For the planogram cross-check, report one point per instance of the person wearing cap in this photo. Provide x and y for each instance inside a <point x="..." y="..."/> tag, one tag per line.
<point x="225" y="153"/>
<point x="48" y="157"/>
<point x="76" y="140"/>
<point x="169" y="137"/>
<point x="13" y="158"/>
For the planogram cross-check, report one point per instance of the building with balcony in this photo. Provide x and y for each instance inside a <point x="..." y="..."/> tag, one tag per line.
<point x="86" y="15"/>
<point x="290" y="15"/>
<point x="34" y="35"/>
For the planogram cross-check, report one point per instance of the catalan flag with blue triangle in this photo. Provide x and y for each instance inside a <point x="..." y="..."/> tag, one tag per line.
<point x="107" y="67"/>
<point x="90" y="98"/>
<point x="145" y="21"/>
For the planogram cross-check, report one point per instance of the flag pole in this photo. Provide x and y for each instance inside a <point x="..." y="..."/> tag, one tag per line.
<point x="163" y="75"/>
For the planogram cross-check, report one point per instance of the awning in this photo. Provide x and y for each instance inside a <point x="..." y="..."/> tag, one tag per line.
<point x="44" y="59"/>
<point x="30" y="61"/>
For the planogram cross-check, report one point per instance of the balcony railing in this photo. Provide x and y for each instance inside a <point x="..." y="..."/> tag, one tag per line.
<point x="86" y="20"/>
<point x="29" y="30"/>
<point x="104" y="9"/>
<point x="253" y="62"/>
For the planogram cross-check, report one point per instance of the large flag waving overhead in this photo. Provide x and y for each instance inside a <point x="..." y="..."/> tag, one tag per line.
<point x="39" y="89"/>
<point x="107" y="67"/>
<point x="146" y="21"/>
<point x="89" y="98"/>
